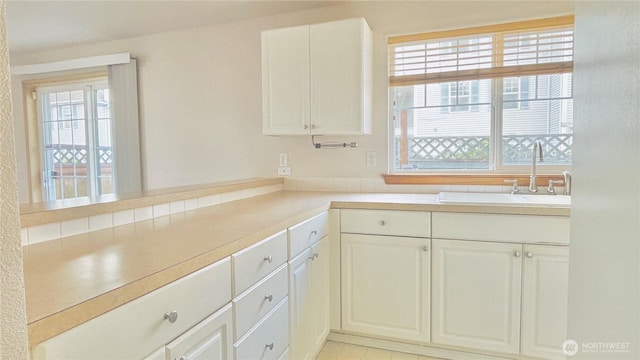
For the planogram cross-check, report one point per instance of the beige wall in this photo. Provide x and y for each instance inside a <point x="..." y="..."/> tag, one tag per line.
<point x="200" y="97"/>
<point x="13" y="320"/>
<point x="604" y="278"/>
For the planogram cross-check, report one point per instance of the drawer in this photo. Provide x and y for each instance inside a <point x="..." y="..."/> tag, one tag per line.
<point x="269" y="338"/>
<point x="500" y="227"/>
<point x="137" y="328"/>
<point x="257" y="301"/>
<point x="307" y="232"/>
<point x="386" y="222"/>
<point x="257" y="261"/>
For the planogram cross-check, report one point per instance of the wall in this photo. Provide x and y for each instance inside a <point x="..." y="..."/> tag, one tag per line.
<point x="200" y="97"/>
<point x="604" y="278"/>
<point x="13" y="319"/>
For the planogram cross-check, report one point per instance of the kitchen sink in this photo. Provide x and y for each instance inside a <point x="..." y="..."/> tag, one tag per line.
<point x="470" y="198"/>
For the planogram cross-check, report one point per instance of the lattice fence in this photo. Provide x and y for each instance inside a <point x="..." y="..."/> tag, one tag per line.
<point x="70" y="155"/>
<point x="470" y="149"/>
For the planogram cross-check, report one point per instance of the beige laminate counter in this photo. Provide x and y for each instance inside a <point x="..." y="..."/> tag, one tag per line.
<point x="71" y="280"/>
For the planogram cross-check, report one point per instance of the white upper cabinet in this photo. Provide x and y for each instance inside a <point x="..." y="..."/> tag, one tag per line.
<point x="316" y="79"/>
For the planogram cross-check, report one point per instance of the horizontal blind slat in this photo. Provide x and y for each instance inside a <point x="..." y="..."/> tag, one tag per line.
<point x="518" y="49"/>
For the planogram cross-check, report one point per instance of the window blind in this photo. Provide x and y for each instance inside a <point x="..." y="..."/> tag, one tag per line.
<point x="533" y="47"/>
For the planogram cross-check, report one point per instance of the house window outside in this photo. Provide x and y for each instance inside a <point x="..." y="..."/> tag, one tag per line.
<point x="452" y="102"/>
<point x="76" y="148"/>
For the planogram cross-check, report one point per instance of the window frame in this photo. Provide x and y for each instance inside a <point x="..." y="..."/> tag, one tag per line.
<point x="496" y="166"/>
<point x="32" y="106"/>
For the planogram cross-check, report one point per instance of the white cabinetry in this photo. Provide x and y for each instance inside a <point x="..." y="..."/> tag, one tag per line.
<point x="385" y="279"/>
<point x="476" y="295"/>
<point x="261" y="310"/>
<point x="308" y="287"/>
<point x="317" y="79"/>
<point x="503" y="286"/>
<point x="139" y="327"/>
<point x="209" y="340"/>
<point x="544" y="300"/>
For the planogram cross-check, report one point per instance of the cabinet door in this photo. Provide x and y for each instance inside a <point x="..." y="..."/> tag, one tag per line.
<point x="285" y="81"/>
<point x="300" y="311"/>
<point x="210" y="339"/>
<point x="476" y="295"/>
<point x="340" y="77"/>
<point x="385" y="286"/>
<point x="544" y="300"/>
<point x="319" y="290"/>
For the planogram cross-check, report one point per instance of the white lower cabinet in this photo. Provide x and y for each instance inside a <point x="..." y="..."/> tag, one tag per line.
<point x="385" y="286"/>
<point x="476" y="295"/>
<point x="209" y="340"/>
<point x="544" y="301"/>
<point x="500" y="297"/>
<point x="309" y="293"/>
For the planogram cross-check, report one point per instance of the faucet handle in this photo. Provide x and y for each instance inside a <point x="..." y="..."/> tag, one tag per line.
<point x="514" y="185"/>
<point x="552" y="189"/>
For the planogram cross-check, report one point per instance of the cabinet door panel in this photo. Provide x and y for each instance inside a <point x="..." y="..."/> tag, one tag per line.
<point x="476" y="294"/>
<point x="385" y="286"/>
<point x="337" y="73"/>
<point x="285" y="81"/>
<point x="319" y="282"/>
<point x="544" y="301"/>
<point x="300" y="306"/>
<point x="210" y="339"/>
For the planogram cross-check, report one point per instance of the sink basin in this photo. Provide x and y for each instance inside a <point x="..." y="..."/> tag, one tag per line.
<point x="560" y="201"/>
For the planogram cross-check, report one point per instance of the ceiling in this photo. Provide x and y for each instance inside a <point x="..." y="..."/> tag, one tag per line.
<point x="39" y="25"/>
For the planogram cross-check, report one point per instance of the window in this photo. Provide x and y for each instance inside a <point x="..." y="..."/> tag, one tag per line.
<point x="479" y="98"/>
<point x="76" y="149"/>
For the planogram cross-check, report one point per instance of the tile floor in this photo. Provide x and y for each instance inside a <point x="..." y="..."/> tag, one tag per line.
<point x="333" y="350"/>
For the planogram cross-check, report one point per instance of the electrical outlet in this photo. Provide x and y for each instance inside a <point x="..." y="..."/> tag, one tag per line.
<point x="371" y="158"/>
<point x="283" y="159"/>
<point x="284" y="171"/>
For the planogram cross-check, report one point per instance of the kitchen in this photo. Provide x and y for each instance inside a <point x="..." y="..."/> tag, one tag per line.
<point x="197" y="49"/>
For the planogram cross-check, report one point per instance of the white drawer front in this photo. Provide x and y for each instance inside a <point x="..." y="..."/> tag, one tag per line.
<point x="506" y="228"/>
<point x="137" y="328"/>
<point x="269" y="338"/>
<point x="306" y="233"/>
<point x="255" y="262"/>
<point x="386" y="222"/>
<point x="256" y="302"/>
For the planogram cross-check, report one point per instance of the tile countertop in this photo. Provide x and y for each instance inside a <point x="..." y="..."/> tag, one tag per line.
<point x="71" y="280"/>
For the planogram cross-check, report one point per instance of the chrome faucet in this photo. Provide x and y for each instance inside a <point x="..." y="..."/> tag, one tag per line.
<point x="537" y="150"/>
<point x="567" y="183"/>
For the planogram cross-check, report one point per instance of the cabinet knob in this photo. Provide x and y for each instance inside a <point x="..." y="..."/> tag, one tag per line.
<point x="315" y="255"/>
<point x="306" y="127"/>
<point x="529" y="255"/>
<point x="268" y="259"/>
<point x="269" y="297"/>
<point x="516" y="254"/>
<point x="425" y="248"/>
<point x="313" y="126"/>
<point x="314" y="232"/>
<point x="172" y="316"/>
<point x="183" y="358"/>
<point x="382" y="223"/>
<point x="270" y="346"/>
<point x="312" y="257"/>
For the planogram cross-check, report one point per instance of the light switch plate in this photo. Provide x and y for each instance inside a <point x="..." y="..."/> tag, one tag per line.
<point x="371" y="158"/>
<point x="283" y="159"/>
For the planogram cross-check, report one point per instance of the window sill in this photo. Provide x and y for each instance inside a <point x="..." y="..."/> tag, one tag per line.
<point x="466" y="179"/>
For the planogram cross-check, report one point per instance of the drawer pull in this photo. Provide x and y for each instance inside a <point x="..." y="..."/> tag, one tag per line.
<point x="269" y="297"/>
<point x="529" y="255"/>
<point x="315" y="255"/>
<point x="270" y="346"/>
<point x="425" y="248"/>
<point x="268" y="259"/>
<point x="382" y="223"/>
<point x="516" y="254"/>
<point x="172" y="316"/>
<point x="183" y="358"/>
